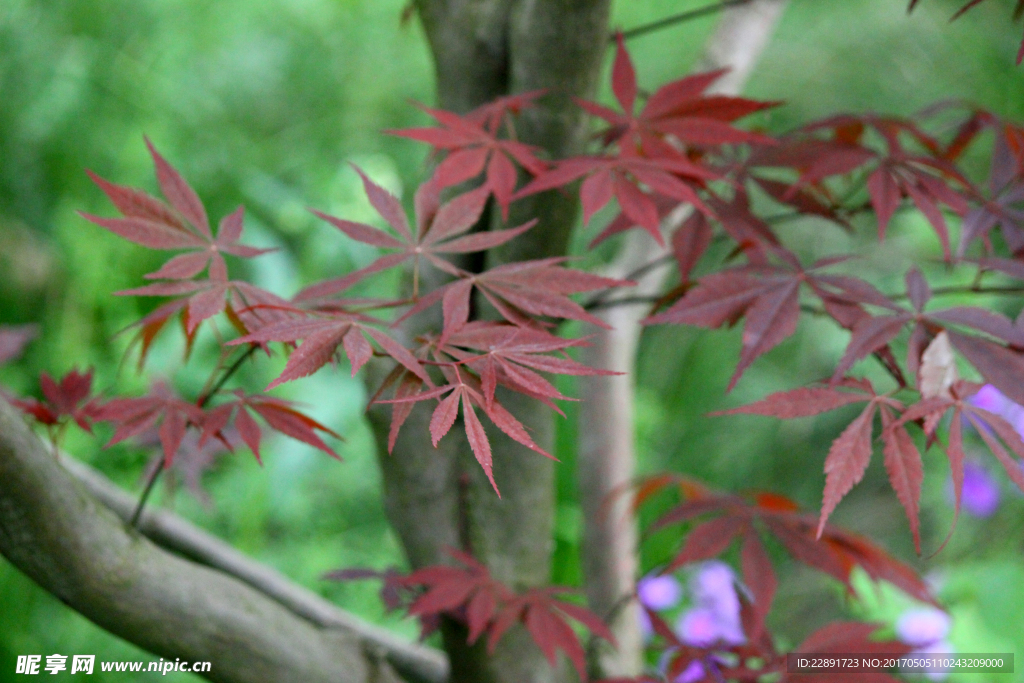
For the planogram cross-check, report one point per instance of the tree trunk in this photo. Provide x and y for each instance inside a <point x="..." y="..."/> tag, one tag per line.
<point x="438" y="498"/>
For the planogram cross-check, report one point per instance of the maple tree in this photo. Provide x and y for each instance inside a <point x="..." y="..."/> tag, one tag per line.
<point x="478" y="331"/>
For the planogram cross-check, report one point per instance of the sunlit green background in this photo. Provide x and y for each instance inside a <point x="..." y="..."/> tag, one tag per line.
<point x="265" y="102"/>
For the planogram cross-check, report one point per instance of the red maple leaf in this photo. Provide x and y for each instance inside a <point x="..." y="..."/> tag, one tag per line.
<point x="469" y="593"/>
<point x="997" y="434"/>
<point x="520" y="292"/>
<point x="509" y="355"/>
<point x="321" y="335"/>
<point x="70" y="398"/>
<point x="473" y="146"/>
<point x="136" y="416"/>
<point x="464" y="389"/>
<point x="923" y="177"/>
<point x="677" y="113"/>
<point x="670" y="176"/>
<point x="499" y="110"/>
<point x="767" y="297"/>
<point x="437" y="232"/>
<point x="833" y="551"/>
<point x="279" y="414"/>
<point x="182" y="225"/>
<point x="871" y="334"/>
<point x="207" y="298"/>
<point x="850" y="453"/>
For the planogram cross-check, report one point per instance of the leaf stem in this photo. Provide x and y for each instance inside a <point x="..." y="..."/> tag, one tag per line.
<point x="205" y="398"/>
<point x="682" y="17"/>
<point x="150" y="483"/>
<point x="201" y="402"/>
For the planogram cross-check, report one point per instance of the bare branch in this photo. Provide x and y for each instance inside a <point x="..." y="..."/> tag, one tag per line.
<point x="682" y="17"/>
<point x="73" y="546"/>
<point x="171" y="532"/>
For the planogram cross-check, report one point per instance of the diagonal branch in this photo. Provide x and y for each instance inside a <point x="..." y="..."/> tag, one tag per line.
<point x="72" y="545"/>
<point x="171" y="532"/>
<point x="682" y="17"/>
<point x="606" y="460"/>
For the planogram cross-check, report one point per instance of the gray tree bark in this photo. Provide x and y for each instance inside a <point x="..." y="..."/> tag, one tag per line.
<point x="439" y="498"/>
<point x="74" y="547"/>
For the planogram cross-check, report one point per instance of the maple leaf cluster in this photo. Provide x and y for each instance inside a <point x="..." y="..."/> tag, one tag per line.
<point x="898" y="165"/>
<point x="469" y="594"/>
<point x="720" y="520"/>
<point x="680" y="168"/>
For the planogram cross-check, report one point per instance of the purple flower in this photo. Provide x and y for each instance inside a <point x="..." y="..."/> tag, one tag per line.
<point x="991" y="399"/>
<point x="715" y="615"/>
<point x="693" y="672"/>
<point x="926" y="629"/>
<point x="659" y="592"/>
<point x="980" y="496"/>
<point x="923" y="626"/>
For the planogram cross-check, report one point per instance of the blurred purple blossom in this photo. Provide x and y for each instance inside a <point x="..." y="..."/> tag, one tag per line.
<point x="980" y="493"/>
<point x="926" y="629"/>
<point x="922" y="626"/>
<point x="991" y="399"/>
<point x="659" y="592"/>
<point x="693" y="672"/>
<point x="715" y="615"/>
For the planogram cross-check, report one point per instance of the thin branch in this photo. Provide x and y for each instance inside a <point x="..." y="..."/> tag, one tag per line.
<point x="682" y="17"/>
<point x="150" y="483"/>
<point x="203" y="400"/>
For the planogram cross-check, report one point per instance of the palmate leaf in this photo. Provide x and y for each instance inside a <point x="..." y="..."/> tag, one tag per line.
<point x="998" y="434"/>
<point x="669" y="176"/>
<point x="850" y="453"/>
<point x="470" y="594"/>
<point x="508" y="355"/>
<point x="679" y="110"/>
<point x="927" y="178"/>
<point x="133" y="417"/>
<point x="464" y="389"/>
<point x="280" y="415"/>
<point x="520" y="292"/>
<point x="70" y="398"/>
<point x="832" y="551"/>
<point x="768" y="297"/>
<point x="321" y="336"/>
<point x="438" y="230"/>
<point x="473" y="147"/>
<point x="245" y="303"/>
<point x="182" y="225"/>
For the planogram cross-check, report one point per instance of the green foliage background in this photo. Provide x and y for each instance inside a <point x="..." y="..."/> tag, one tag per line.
<point x="265" y="103"/>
